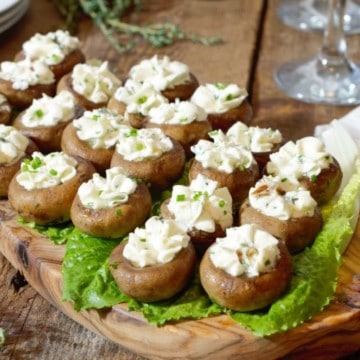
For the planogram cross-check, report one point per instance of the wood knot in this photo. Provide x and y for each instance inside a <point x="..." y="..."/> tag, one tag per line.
<point x="22" y="255"/>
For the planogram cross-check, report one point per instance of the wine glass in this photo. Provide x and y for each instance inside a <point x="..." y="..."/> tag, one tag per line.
<point x="311" y="15"/>
<point x="328" y="78"/>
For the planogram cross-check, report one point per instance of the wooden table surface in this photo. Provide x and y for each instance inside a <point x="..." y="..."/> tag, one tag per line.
<point x="256" y="42"/>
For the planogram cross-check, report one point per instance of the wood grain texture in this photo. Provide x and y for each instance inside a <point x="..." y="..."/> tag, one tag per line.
<point x="332" y="333"/>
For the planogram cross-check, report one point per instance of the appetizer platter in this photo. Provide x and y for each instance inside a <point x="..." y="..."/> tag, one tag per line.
<point x="160" y="197"/>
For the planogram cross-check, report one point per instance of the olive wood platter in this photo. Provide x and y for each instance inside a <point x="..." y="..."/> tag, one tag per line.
<point x="332" y="333"/>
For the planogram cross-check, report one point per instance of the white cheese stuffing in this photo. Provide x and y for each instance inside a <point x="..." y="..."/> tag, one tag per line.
<point x="139" y="98"/>
<point x="177" y="113"/>
<point x="222" y="154"/>
<point x="219" y="98"/>
<point x="25" y="73"/>
<point x="142" y="144"/>
<point x="51" y="48"/>
<point x="278" y="197"/>
<point x="44" y="171"/>
<point x="50" y="111"/>
<point x="157" y="243"/>
<point x="99" y="128"/>
<point x="246" y="250"/>
<point x="162" y="73"/>
<point x="201" y="205"/>
<point x="108" y="192"/>
<point x="306" y="157"/>
<point x="254" y="138"/>
<point x="12" y="144"/>
<point x="95" y="82"/>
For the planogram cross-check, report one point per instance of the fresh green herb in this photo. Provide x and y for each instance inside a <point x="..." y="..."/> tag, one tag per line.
<point x="140" y="146"/>
<point x="141" y="100"/>
<point x="39" y="113"/>
<point x="180" y="197"/>
<point x="313" y="178"/>
<point x="221" y="203"/>
<point x="132" y="132"/>
<point x="123" y="36"/>
<point x="283" y="179"/>
<point x="229" y="97"/>
<point x="53" y="172"/>
<point x="118" y="212"/>
<point x="221" y="86"/>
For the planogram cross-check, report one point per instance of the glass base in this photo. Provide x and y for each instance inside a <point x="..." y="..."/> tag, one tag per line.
<point x="309" y="82"/>
<point x="311" y="15"/>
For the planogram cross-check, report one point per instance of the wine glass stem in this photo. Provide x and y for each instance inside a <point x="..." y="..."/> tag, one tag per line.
<point x="333" y="51"/>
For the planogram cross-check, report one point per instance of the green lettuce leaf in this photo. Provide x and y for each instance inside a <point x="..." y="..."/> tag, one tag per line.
<point x="59" y="234"/>
<point x="88" y="282"/>
<point x="315" y="271"/>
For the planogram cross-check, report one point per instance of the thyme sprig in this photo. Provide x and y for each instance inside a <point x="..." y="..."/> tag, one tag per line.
<point x="107" y="15"/>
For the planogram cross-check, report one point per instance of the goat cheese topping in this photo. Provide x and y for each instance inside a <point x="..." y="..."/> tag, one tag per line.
<point x="254" y="138"/>
<point x="306" y="157"/>
<point x="12" y="144"/>
<point x="44" y="171"/>
<point x="99" y="128"/>
<point x="281" y="199"/>
<point x="142" y="144"/>
<point x="50" y="111"/>
<point x="246" y="250"/>
<point x="177" y="113"/>
<point x="139" y="98"/>
<point x="218" y="98"/>
<point x="108" y="192"/>
<point x="222" y="154"/>
<point x="201" y="205"/>
<point x="157" y="243"/>
<point x="95" y="82"/>
<point x="50" y="48"/>
<point x="162" y="73"/>
<point x="25" y="73"/>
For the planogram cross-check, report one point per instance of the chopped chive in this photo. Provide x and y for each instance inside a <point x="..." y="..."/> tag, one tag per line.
<point x="313" y="178"/>
<point x="39" y="113"/>
<point x="181" y="197"/>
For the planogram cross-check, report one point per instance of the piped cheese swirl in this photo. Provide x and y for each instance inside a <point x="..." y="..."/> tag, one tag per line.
<point x="162" y="73"/>
<point x="307" y="157"/>
<point x="139" y="98"/>
<point x="254" y="138"/>
<point x="281" y="199"/>
<point x="50" y="111"/>
<point x="95" y="82"/>
<point x="99" y="128"/>
<point x="218" y="98"/>
<point x="12" y="144"/>
<point x="44" y="171"/>
<point x="25" y="73"/>
<point x="222" y="154"/>
<point x="51" y="48"/>
<point x="143" y="144"/>
<point x="246" y="250"/>
<point x="108" y="192"/>
<point x="157" y="243"/>
<point x="201" y="205"/>
<point x="177" y="113"/>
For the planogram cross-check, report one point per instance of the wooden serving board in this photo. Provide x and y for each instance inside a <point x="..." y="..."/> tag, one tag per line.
<point x="330" y="334"/>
